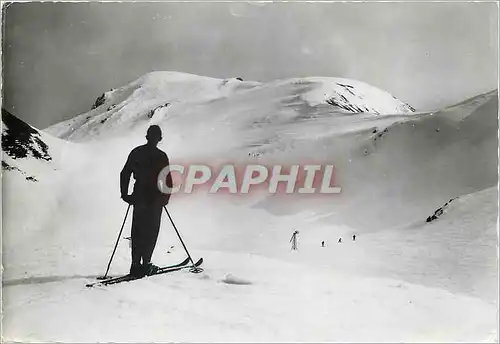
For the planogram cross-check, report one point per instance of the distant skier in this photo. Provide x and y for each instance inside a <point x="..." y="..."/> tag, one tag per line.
<point x="293" y="240"/>
<point x="145" y="163"/>
<point x="322" y="244"/>
<point x="340" y="241"/>
<point x="354" y="237"/>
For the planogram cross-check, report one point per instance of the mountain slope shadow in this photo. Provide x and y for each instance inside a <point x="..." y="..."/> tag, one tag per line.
<point x="46" y="279"/>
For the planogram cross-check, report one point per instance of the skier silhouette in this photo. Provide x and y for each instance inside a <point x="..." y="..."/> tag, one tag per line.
<point x="340" y="240"/>
<point x="293" y="240"/>
<point x="354" y="237"/>
<point x="145" y="163"/>
<point x="322" y="244"/>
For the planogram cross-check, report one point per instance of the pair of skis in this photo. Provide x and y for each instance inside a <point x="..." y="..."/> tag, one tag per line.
<point x="127" y="278"/>
<point x="194" y="267"/>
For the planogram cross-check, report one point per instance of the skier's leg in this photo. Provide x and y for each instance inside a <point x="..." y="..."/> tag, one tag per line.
<point x="151" y="232"/>
<point x="135" y="267"/>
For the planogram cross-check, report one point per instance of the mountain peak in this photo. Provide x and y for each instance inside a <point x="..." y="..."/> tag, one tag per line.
<point x="160" y="93"/>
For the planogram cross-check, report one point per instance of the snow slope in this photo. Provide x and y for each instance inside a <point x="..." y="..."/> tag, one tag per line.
<point x="403" y="279"/>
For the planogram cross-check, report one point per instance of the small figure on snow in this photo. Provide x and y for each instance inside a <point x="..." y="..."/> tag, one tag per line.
<point x="354" y="237"/>
<point x="293" y="240"/>
<point x="322" y="244"/>
<point x="340" y="241"/>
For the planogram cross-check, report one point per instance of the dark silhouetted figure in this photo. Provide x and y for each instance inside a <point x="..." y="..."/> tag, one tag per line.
<point x="322" y="244"/>
<point x="354" y="237"/>
<point x="340" y="241"/>
<point x="293" y="240"/>
<point x="145" y="163"/>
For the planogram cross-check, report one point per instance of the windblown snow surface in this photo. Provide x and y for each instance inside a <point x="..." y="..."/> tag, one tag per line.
<point x="403" y="279"/>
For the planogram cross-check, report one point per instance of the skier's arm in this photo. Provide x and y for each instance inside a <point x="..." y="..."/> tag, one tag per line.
<point x="168" y="181"/>
<point x="125" y="176"/>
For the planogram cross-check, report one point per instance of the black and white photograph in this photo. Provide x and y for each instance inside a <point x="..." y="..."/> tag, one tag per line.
<point x="226" y="171"/>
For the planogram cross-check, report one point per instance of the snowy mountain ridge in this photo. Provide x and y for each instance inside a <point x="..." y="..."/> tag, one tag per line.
<point x="353" y="96"/>
<point x="139" y="99"/>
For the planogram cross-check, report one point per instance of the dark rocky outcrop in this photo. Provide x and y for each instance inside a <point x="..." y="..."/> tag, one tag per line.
<point x="438" y="212"/>
<point x="99" y="101"/>
<point x="20" y="140"/>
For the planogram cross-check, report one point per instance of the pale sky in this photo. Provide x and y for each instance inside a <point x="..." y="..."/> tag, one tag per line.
<point x="59" y="57"/>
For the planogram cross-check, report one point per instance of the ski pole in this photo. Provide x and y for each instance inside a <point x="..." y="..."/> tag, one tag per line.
<point x="116" y="245"/>
<point x="182" y="242"/>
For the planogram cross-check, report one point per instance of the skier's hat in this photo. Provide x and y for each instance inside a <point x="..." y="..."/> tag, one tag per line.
<point x="154" y="133"/>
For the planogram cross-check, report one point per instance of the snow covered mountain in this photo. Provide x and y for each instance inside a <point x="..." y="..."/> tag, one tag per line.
<point x="403" y="279"/>
<point x="159" y="93"/>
